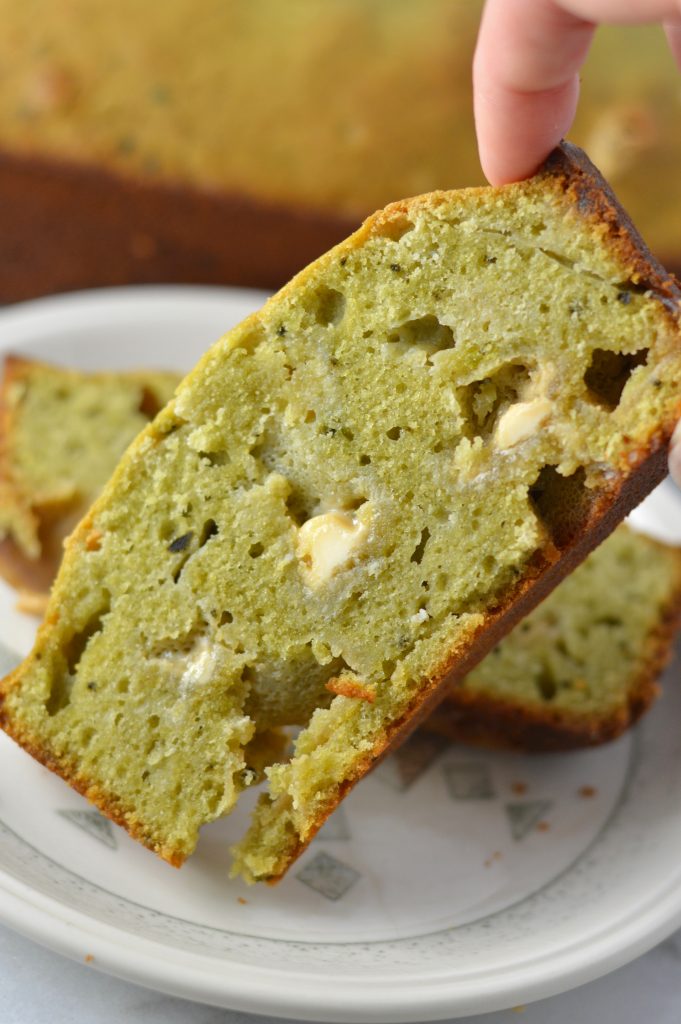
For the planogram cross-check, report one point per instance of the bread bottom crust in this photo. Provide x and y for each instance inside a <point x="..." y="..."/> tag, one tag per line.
<point x="66" y="227"/>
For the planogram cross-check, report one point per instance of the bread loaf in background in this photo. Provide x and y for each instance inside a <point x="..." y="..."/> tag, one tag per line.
<point x="234" y="142"/>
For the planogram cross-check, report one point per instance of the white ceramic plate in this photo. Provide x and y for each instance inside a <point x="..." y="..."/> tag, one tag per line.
<point x="450" y="882"/>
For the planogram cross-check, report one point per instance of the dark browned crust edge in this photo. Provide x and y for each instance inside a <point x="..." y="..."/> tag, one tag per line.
<point x="68" y="226"/>
<point x="641" y="471"/>
<point x="505" y="724"/>
<point x="596" y="202"/>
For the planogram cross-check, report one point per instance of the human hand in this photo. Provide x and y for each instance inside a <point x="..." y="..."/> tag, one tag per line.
<point x="526" y="72"/>
<point x="526" y="82"/>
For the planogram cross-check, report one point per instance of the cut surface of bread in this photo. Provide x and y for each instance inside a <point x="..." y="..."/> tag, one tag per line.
<point x="583" y="666"/>
<point x="352" y="497"/>
<point x="577" y="671"/>
<point x="62" y="431"/>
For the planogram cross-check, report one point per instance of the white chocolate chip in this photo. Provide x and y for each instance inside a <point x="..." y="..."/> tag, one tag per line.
<point x="327" y="542"/>
<point x="521" y="421"/>
<point x="200" y="666"/>
<point x="420" y="616"/>
<point x="194" y="667"/>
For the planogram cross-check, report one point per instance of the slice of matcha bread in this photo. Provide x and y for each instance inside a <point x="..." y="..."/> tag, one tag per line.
<point x="62" y="432"/>
<point x="576" y="672"/>
<point x="583" y="666"/>
<point x="352" y="497"/>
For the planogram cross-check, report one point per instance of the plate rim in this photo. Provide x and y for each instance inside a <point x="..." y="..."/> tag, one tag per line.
<point x="192" y="976"/>
<point x="266" y="989"/>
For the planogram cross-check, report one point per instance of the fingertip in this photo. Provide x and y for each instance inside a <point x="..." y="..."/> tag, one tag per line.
<point x="504" y="171"/>
<point x="517" y="131"/>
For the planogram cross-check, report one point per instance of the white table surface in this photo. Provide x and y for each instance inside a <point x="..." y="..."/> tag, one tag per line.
<point x="38" y="986"/>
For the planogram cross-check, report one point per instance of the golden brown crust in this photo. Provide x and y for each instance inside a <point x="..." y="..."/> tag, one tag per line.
<point x="596" y="203"/>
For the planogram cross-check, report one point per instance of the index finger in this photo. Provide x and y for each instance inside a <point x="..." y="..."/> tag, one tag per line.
<point x="525" y="74"/>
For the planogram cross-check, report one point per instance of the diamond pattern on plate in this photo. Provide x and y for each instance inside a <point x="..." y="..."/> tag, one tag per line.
<point x="410" y="760"/>
<point x="95" y="824"/>
<point x="469" y="780"/>
<point x="328" y="876"/>
<point x="525" y="816"/>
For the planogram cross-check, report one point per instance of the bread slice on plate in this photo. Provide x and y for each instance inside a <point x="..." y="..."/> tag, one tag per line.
<point x="583" y="666"/>
<point x="62" y="431"/>
<point x="350" y="500"/>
